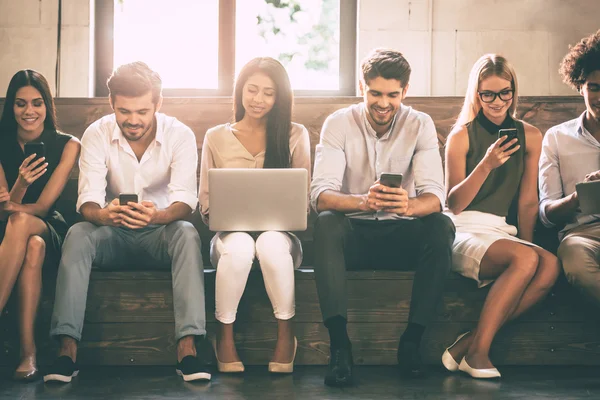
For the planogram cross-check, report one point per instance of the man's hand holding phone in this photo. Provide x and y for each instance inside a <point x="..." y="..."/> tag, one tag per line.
<point x="113" y="214"/>
<point x="387" y="194"/>
<point x="390" y="199"/>
<point x="138" y="215"/>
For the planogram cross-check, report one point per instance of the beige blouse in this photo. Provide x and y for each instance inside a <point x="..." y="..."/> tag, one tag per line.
<point x="222" y="149"/>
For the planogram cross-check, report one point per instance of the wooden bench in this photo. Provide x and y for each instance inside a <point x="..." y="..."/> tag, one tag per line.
<point x="129" y="317"/>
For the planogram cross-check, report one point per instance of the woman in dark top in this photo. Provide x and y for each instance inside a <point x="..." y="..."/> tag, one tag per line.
<point x="485" y="171"/>
<point x="31" y="230"/>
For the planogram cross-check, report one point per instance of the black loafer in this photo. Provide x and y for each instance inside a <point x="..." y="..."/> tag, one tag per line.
<point x="62" y="370"/>
<point x="192" y="369"/>
<point x="409" y="360"/>
<point x="339" y="373"/>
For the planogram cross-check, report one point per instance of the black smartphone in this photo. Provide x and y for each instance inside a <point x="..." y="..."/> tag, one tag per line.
<point x="125" y="198"/>
<point x="510" y="134"/>
<point x="39" y="149"/>
<point x="390" y="180"/>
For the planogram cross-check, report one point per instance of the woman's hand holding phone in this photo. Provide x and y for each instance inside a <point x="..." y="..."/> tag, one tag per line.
<point x="30" y="171"/>
<point x="499" y="152"/>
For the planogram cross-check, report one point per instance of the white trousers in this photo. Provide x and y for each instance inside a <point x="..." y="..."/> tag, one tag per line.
<point x="233" y="253"/>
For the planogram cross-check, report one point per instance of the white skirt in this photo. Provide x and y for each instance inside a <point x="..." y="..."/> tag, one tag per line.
<point x="476" y="231"/>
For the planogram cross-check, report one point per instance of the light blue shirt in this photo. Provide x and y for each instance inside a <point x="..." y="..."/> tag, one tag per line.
<point x="569" y="153"/>
<point x="350" y="157"/>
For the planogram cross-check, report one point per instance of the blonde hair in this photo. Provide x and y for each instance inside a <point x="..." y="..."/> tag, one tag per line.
<point x="488" y="65"/>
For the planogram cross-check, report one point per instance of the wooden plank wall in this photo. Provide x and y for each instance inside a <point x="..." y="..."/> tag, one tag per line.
<point x="200" y="114"/>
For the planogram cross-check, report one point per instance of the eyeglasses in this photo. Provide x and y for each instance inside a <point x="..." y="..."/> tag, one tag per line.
<point x="489" y="97"/>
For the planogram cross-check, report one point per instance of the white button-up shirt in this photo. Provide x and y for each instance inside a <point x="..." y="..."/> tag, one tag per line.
<point x="350" y="157"/>
<point x="569" y="153"/>
<point x="165" y="174"/>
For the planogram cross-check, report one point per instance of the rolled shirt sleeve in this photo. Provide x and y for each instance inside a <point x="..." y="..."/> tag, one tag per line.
<point x="183" y="184"/>
<point x="92" y="168"/>
<point x="550" y="183"/>
<point x="330" y="161"/>
<point x="427" y="162"/>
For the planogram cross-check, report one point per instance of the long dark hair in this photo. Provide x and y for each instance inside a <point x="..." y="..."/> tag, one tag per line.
<point x="279" y="119"/>
<point x="26" y="77"/>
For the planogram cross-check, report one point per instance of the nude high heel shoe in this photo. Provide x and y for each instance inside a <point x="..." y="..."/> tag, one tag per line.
<point x="227" y="367"/>
<point x="487" y="373"/>
<point x="284" y="368"/>
<point x="29" y="374"/>
<point x="447" y="360"/>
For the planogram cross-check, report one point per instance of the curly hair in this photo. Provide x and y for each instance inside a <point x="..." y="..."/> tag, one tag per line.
<point x="581" y="60"/>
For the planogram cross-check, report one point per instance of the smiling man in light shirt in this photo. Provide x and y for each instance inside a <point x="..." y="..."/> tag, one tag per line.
<point x="136" y="150"/>
<point x="571" y="154"/>
<point x="364" y="224"/>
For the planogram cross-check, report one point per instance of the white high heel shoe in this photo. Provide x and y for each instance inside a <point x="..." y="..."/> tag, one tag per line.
<point x="227" y="367"/>
<point x="284" y="368"/>
<point x="487" y="373"/>
<point x="447" y="360"/>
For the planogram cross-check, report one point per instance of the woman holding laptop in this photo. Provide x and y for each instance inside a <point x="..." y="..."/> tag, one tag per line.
<point x="491" y="162"/>
<point x="262" y="136"/>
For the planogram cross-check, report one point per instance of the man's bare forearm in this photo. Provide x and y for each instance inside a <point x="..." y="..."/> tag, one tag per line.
<point x="562" y="210"/>
<point x="175" y="212"/>
<point x="93" y="213"/>
<point x="331" y="200"/>
<point x="423" y="205"/>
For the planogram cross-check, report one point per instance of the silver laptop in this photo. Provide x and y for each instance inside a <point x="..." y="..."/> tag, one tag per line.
<point x="253" y="199"/>
<point x="589" y="197"/>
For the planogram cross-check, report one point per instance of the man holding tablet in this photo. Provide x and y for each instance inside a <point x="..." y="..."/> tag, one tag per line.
<point x="571" y="155"/>
<point x="378" y="188"/>
<point x="137" y="184"/>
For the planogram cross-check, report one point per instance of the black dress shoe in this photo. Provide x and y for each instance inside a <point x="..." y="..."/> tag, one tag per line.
<point x="191" y="368"/>
<point x="409" y="360"/>
<point x="62" y="370"/>
<point x="339" y="373"/>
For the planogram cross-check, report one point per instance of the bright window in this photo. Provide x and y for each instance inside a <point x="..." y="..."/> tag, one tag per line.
<point x="303" y="35"/>
<point x="167" y="35"/>
<point x="198" y="46"/>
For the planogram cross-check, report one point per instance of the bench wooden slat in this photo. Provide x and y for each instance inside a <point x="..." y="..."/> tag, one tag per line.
<point x="131" y="297"/>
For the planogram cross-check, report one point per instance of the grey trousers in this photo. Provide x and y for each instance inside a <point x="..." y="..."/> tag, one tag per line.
<point x="579" y="252"/>
<point x="343" y="243"/>
<point x="175" y="246"/>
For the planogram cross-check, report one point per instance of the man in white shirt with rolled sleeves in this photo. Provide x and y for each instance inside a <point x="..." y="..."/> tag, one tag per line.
<point x="363" y="223"/>
<point x="571" y="154"/>
<point x="136" y="151"/>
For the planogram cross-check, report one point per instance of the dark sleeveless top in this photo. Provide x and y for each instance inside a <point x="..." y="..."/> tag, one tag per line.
<point x="502" y="184"/>
<point x="11" y="158"/>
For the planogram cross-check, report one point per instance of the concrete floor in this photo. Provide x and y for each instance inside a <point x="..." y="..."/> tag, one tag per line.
<point x="307" y="383"/>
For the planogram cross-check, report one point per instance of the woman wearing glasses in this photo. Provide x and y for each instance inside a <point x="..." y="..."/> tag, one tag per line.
<point x="486" y="172"/>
